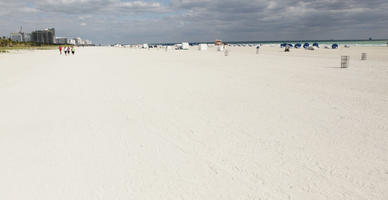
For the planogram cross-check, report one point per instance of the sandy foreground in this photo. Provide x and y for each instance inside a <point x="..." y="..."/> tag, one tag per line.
<point x="117" y="123"/>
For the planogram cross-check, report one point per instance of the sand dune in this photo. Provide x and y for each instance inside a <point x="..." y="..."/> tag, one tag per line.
<point x="118" y="123"/>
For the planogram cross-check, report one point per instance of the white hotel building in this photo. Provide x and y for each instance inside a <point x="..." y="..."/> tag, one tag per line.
<point x="63" y="40"/>
<point x="72" y="41"/>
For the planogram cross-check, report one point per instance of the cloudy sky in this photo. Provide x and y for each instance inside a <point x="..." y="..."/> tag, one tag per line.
<point x="128" y="21"/>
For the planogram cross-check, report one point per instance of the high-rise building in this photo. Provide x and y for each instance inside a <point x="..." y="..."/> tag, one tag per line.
<point x="79" y="41"/>
<point x="17" y="37"/>
<point x="26" y="37"/>
<point x="20" y="36"/>
<point x="46" y="36"/>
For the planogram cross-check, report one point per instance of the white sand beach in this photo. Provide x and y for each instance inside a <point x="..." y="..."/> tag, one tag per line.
<point x="120" y="123"/>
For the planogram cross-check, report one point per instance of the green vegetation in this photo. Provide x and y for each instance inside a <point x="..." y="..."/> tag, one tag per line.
<point x="7" y="44"/>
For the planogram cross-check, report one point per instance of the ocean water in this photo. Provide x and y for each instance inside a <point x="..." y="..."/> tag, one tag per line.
<point x="382" y="43"/>
<point x="322" y="43"/>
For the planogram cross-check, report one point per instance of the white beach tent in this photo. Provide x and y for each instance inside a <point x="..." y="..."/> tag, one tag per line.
<point x="185" y="46"/>
<point x="178" y="46"/>
<point x="202" y="47"/>
<point x="145" y="46"/>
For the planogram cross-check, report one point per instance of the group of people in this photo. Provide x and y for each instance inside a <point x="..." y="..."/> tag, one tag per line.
<point x="67" y="50"/>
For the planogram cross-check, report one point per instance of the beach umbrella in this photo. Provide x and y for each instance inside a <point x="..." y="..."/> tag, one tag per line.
<point x="282" y="45"/>
<point x="298" y="45"/>
<point x="306" y="45"/>
<point x="316" y="44"/>
<point x="334" y="46"/>
<point x="290" y="45"/>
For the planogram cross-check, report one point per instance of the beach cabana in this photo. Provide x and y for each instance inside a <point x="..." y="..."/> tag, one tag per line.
<point x="334" y="46"/>
<point x="202" y="47"/>
<point x="282" y="45"/>
<point x="145" y="46"/>
<point x="298" y="45"/>
<point x="185" y="46"/>
<point x="290" y="45"/>
<point x="306" y="45"/>
<point x="316" y="44"/>
<point x="178" y="46"/>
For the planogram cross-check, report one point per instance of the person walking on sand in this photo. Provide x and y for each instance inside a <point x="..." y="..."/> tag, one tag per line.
<point x="287" y="49"/>
<point x="72" y="50"/>
<point x="65" y="50"/>
<point x="68" y="50"/>
<point x="60" y="49"/>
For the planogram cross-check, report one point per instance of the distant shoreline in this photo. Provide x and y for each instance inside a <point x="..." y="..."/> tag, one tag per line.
<point x="375" y="41"/>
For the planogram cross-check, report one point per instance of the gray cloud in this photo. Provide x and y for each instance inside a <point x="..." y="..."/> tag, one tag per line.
<point x="108" y="21"/>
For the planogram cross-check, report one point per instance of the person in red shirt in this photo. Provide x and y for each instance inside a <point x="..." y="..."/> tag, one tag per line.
<point x="60" y="50"/>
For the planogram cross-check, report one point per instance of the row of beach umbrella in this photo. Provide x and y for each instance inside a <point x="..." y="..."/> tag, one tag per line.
<point x="305" y="45"/>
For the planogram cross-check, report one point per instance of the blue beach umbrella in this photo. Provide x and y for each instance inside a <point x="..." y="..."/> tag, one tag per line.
<point x="297" y="45"/>
<point x="282" y="45"/>
<point x="316" y="44"/>
<point x="290" y="45"/>
<point x="334" y="46"/>
<point x="306" y="45"/>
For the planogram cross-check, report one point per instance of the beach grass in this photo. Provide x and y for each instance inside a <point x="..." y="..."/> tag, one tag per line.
<point x="13" y="48"/>
<point x="7" y="45"/>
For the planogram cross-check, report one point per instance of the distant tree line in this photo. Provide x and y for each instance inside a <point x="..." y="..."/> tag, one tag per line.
<point x="7" y="42"/>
